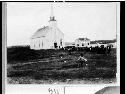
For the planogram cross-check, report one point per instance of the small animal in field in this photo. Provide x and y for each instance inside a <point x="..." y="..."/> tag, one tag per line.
<point x="109" y="90"/>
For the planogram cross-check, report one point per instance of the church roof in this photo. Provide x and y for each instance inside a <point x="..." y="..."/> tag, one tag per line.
<point x="41" y="32"/>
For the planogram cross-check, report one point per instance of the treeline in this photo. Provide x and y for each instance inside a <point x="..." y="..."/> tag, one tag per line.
<point x="103" y="41"/>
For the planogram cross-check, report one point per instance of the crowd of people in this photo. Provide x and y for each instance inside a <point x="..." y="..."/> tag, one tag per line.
<point x="96" y="49"/>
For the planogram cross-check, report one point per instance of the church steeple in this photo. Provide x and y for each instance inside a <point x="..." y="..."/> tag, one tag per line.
<point x="52" y="21"/>
<point x="52" y="17"/>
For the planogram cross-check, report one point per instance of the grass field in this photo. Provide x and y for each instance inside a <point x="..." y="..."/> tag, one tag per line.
<point x="25" y="66"/>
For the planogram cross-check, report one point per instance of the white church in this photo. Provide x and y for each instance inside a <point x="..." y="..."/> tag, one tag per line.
<point x="48" y="37"/>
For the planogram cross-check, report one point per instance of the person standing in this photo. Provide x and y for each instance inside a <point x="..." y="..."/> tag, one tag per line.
<point x="82" y="60"/>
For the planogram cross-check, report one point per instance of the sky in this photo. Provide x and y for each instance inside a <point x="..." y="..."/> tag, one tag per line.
<point x="96" y="21"/>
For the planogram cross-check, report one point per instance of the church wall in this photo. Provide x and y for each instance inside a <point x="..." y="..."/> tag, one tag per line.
<point x="36" y="43"/>
<point x="31" y="44"/>
<point x="55" y="36"/>
<point x="48" y="41"/>
<point x="59" y="36"/>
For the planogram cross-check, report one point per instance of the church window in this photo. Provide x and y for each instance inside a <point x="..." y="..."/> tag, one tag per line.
<point x="88" y="43"/>
<point x="39" y="43"/>
<point x="42" y="44"/>
<point x="77" y="44"/>
<point x="82" y="44"/>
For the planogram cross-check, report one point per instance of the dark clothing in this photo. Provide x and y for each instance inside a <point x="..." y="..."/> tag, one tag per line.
<point x="82" y="61"/>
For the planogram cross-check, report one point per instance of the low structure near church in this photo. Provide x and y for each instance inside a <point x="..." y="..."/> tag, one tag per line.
<point x="82" y="42"/>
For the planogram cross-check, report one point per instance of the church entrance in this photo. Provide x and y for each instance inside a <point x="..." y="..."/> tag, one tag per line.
<point x="60" y="42"/>
<point x="55" y="45"/>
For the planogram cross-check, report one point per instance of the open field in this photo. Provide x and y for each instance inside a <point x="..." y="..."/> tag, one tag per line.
<point x="27" y="66"/>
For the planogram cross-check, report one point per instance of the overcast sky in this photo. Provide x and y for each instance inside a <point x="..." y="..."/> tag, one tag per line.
<point x="96" y="21"/>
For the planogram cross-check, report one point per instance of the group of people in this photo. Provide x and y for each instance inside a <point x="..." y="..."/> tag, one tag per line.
<point x="97" y="49"/>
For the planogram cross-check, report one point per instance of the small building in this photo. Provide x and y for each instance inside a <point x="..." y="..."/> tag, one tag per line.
<point x="69" y="44"/>
<point x="93" y="44"/>
<point x="82" y="42"/>
<point x="48" y="37"/>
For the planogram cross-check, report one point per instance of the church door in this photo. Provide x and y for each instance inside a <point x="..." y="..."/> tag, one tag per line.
<point x="60" y="42"/>
<point x="55" y="45"/>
